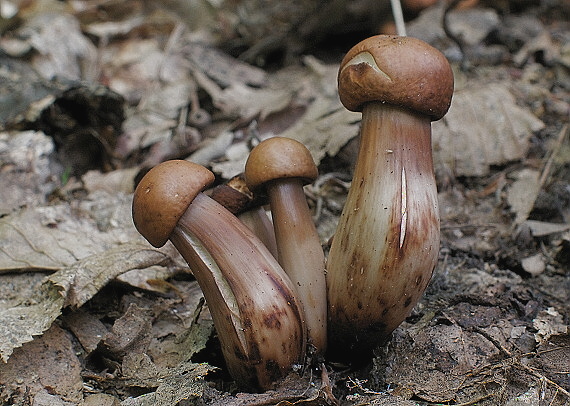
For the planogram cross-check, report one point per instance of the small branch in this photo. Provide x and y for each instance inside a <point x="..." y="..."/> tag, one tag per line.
<point x="553" y="151"/>
<point x="398" y="17"/>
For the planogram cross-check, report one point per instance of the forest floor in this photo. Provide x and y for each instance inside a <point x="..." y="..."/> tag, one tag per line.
<point x="94" y="93"/>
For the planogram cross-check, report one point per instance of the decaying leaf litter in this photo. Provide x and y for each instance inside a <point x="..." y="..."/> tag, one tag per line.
<point x="91" y="313"/>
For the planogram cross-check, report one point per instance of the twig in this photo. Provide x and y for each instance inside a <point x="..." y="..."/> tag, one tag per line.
<point x="398" y="17"/>
<point x="555" y="148"/>
<point x="326" y="386"/>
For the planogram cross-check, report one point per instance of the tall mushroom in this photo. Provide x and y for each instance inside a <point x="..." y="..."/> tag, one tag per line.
<point x="259" y="322"/>
<point x="386" y="244"/>
<point x="282" y="166"/>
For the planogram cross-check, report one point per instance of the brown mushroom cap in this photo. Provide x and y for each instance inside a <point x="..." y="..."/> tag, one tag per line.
<point x="401" y="71"/>
<point x="278" y="158"/>
<point x="164" y="194"/>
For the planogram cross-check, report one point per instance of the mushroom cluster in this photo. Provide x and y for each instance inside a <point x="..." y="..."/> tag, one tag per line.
<point x="273" y="299"/>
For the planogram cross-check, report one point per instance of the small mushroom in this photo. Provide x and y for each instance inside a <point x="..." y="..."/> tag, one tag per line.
<point x="235" y="196"/>
<point x="386" y="245"/>
<point x="259" y="322"/>
<point x="282" y="166"/>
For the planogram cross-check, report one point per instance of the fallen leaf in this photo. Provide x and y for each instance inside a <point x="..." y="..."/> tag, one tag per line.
<point x="83" y="279"/>
<point x="87" y="328"/>
<point x="325" y="128"/>
<point x="553" y="358"/>
<point x="26" y="178"/>
<point x="548" y="323"/>
<point x="522" y="194"/>
<point x="117" y="181"/>
<point x="182" y="331"/>
<point x="473" y="25"/>
<point x="21" y="323"/>
<point x="240" y="100"/>
<point x="71" y="286"/>
<point x="221" y="67"/>
<point x="484" y="127"/>
<point x="542" y="228"/>
<point x="45" y="398"/>
<point x="152" y="278"/>
<point x="101" y="399"/>
<point x="54" y="237"/>
<point x="542" y="43"/>
<point x="184" y="382"/>
<point x="48" y="363"/>
<point x="62" y="49"/>
<point x="131" y="333"/>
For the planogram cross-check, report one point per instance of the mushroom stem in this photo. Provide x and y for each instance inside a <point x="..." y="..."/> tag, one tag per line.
<point x="282" y="166"/>
<point x="235" y="196"/>
<point x="387" y="241"/>
<point x="256" y="220"/>
<point x="259" y="321"/>
<point x="250" y="297"/>
<point x="300" y="253"/>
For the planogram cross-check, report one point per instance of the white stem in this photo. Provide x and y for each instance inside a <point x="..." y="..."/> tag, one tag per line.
<point x="398" y="17"/>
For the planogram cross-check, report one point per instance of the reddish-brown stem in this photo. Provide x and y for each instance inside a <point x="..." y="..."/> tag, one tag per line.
<point x="387" y="241"/>
<point x="256" y="220"/>
<point x="258" y="319"/>
<point x="300" y="253"/>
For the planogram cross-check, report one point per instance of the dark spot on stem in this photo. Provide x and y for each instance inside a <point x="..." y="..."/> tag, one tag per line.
<point x="272" y="321"/>
<point x="273" y="369"/>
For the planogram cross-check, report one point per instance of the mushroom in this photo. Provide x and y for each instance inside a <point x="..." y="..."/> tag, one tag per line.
<point x="259" y="322"/>
<point x="235" y="196"/>
<point x="386" y="244"/>
<point x="281" y="166"/>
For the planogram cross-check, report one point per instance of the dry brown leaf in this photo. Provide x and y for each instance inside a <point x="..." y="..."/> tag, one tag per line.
<point x="83" y="279"/>
<point x="483" y="127"/>
<point x="31" y="318"/>
<point x="522" y="194"/>
<point x="71" y="286"/>
<point x="117" y="181"/>
<point x="152" y="278"/>
<point x="101" y="399"/>
<point x="48" y="365"/>
<point x="86" y="328"/>
<point x="182" y="383"/>
<point x="221" y="67"/>
<point x="62" y="49"/>
<point x="548" y="323"/>
<point x="53" y="237"/>
<point x="25" y="158"/>
<point x="88" y="245"/>
<point x="241" y="100"/>
<point x="139" y="67"/>
<point x="542" y="228"/>
<point x="325" y="128"/>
